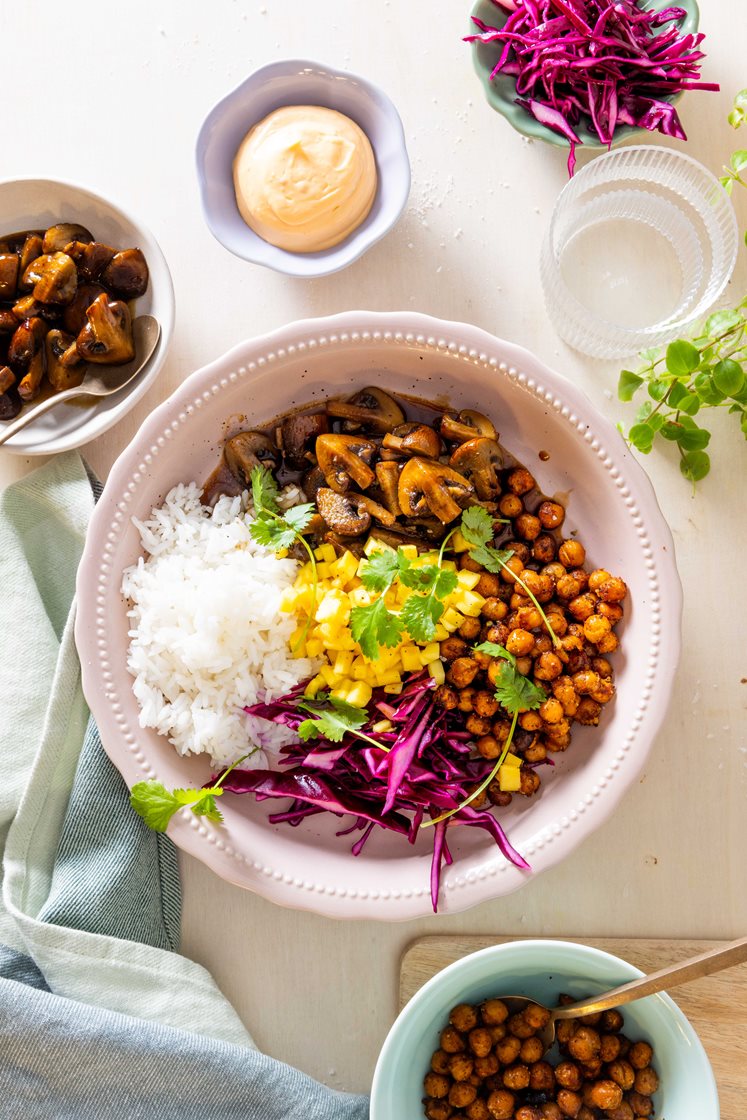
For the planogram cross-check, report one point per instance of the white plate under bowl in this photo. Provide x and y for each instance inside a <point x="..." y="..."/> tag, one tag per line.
<point x="610" y="503"/>
<point x="39" y="203"/>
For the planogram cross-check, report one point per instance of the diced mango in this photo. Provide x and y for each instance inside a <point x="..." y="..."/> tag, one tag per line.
<point x="314" y="647"/>
<point x="409" y="551"/>
<point x="373" y="545"/>
<point x="346" y="567"/>
<point x="410" y="658"/>
<point x="459" y="543"/>
<point x="509" y="778"/>
<point x="430" y="653"/>
<point x="359" y="694"/>
<point x="441" y="633"/>
<point x="382" y="725"/>
<point x="343" y="663"/>
<point x="511" y="760"/>
<point x="316" y="684"/>
<point x="436" y="670"/>
<point x="331" y="678"/>
<point x="468" y="602"/>
<point x="451" y="619"/>
<point x="393" y="689"/>
<point x="468" y="580"/>
<point x="389" y="676"/>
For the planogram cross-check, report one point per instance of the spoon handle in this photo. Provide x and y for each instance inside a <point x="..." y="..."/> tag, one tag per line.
<point x="26" y="417"/>
<point x="693" y="969"/>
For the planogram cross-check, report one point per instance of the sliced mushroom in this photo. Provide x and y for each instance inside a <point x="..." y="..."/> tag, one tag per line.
<point x="32" y="248"/>
<point x="107" y="336"/>
<point x="312" y="482"/>
<point x="62" y="375"/>
<point x="10" y="405"/>
<point x="74" y="318"/>
<point x="371" y="407"/>
<point x="343" y="513"/>
<point x="467" y="425"/>
<point x="9" y="265"/>
<point x="29" y="307"/>
<point x="53" y="276"/>
<point x="387" y="476"/>
<point x="8" y="322"/>
<point x="427" y="486"/>
<point x="377" y="511"/>
<point x="298" y="434"/>
<point x="27" y="341"/>
<point x="7" y="379"/>
<point x="57" y="237"/>
<point x="30" y="384"/>
<point x="91" y="258"/>
<point x="126" y="274"/>
<point x="247" y="450"/>
<point x="413" y="439"/>
<point x="480" y="460"/>
<point x="344" y="460"/>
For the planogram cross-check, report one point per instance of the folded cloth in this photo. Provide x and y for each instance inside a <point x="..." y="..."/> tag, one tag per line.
<point x="99" y="1015"/>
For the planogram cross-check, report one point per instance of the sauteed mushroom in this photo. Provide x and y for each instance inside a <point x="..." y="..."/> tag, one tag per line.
<point x="467" y="425"/>
<point x="480" y="460"/>
<point x="345" y="459"/>
<point x="298" y="434"/>
<point x="371" y="407"/>
<point x="31" y="249"/>
<point x="91" y="258"/>
<point x="53" y="277"/>
<point x="428" y="486"/>
<point x="74" y="317"/>
<point x="107" y="336"/>
<point x="64" y="367"/>
<point x="27" y="341"/>
<point x="126" y="274"/>
<point x="57" y="237"/>
<point x="387" y="476"/>
<point x="343" y="513"/>
<point x="413" y="439"/>
<point x="248" y="450"/>
<point x="9" y="266"/>
<point x="10" y="404"/>
<point x="8" y="322"/>
<point x="312" y="482"/>
<point x="7" y="379"/>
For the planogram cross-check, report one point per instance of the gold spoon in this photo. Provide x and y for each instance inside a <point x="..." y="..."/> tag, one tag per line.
<point x="99" y="380"/>
<point x="714" y="960"/>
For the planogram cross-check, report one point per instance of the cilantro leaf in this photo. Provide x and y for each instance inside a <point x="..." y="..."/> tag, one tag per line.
<point x="494" y="650"/>
<point x="516" y="693"/>
<point x="445" y="582"/>
<point x="477" y="525"/>
<point x="420" y="614"/>
<point x="492" y="559"/>
<point x="272" y="532"/>
<point x="298" y="517"/>
<point x="419" y="579"/>
<point x="157" y="805"/>
<point x="373" y="626"/>
<point x="265" y="491"/>
<point x="332" y="724"/>
<point x="378" y="573"/>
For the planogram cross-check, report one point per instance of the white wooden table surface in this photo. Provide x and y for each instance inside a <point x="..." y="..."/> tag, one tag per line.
<point x="120" y="114"/>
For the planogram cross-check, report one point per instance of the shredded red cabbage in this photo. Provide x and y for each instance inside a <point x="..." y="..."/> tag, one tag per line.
<point x="595" y="65"/>
<point x="424" y="767"/>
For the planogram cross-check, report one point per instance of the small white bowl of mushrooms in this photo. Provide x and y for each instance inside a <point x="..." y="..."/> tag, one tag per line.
<point x="75" y="270"/>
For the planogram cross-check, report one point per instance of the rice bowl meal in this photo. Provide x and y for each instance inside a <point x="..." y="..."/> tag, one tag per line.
<point x="244" y="818"/>
<point x="370" y="609"/>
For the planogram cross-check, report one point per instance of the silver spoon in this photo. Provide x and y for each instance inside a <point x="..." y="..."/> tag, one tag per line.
<point x="714" y="960"/>
<point x="99" y="380"/>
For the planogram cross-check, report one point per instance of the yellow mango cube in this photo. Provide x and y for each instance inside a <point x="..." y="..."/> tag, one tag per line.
<point x="373" y="545"/>
<point x="331" y="678"/>
<point x="389" y="676"/>
<point x="393" y="689"/>
<point x="509" y="778"/>
<point x="451" y="620"/>
<point x="409" y="551"/>
<point x="410" y="658"/>
<point x="469" y="603"/>
<point x="429" y="653"/>
<point x="359" y="694"/>
<point x="468" y="580"/>
<point x="346" y="567"/>
<point x="437" y="671"/>
<point x="511" y="760"/>
<point x="382" y="725"/>
<point x="441" y="633"/>
<point x="459" y="543"/>
<point x="343" y="662"/>
<point x="315" y="685"/>
<point x="314" y="647"/>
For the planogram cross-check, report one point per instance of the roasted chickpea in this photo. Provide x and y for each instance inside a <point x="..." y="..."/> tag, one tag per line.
<point x="585" y="681"/>
<point x="465" y="699"/>
<point x="498" y="634"/>
<point x="436" y="1085"/>
<point x="485" y="704"/>
<point x="566" y="694"/>
<point x="462" y="672"/>
<point x="467" y="564"/>
<point x="494" y="609"/>
<point x="550" y="711"/>
<point x="602" y="666"/>
<point x="531" y="1051"/>
<point x="520" y="1026"/>
<point x="510" y="505"/>
<point x="469" y="629"/>
<point x="520" y="481"/>
<point x="446" y="697"/>
<point x="612" y="590"/>
<point x="612" y="611"/>
<point x="520" y="549"/>
<point x="478" y="725"/>
<point x="646" y="1081"/>
<point x="622" y="1112"/>
<point x="480" y="1042"/>
<point x="608" y="644"/>
<point x="565" y="1029"/>
<point x="536" y="751"/>
<point x="554" y="570"/>
<point x="460" y="1068"/>
<point x="528" y="1112"/>
<point x="536" y="1016"/>
<point x="493" y="1012"/>
<point x="462" y="1094"/>
<point x="640" y="1055"/>
<point x="526" y="618"/>
<point x="508" y="1050"/>
<point x="501" y="730"/>
<point x="569" y="1103"/>
<point x="543" y="549"/>
<point x="568" y="1075"/>
<point x="452" y="1041"/>
<point x="440" y="1061"/>
<point x="567" y="587"/>
<point x="487" y="585"/>
<point x="498" y="1031"/>
<point x="641" y="1105"/>
<point x="604" y="692"/>
<point x="438" y="1109"/>
<point x="501" y="1104"/>
<point x="548" y="667"/>
<point x="478" y="1110"/>
<point x="551" y="515"/>
<point x="583" y="606"/>
<point x="488" y="746"/>
<point x="453" y="647"/>
<point x="596" y="627"/>
<point x="610" y="1047"/>
<point x="528" y="526"/>
<point x="487" y="1066"/>
<point x="571" y="553"/>
<point x="557" y="620"/>
<point x="541" y="1076"/>
<point x="622" y="1072"/>
<point x="497" y="796"/>
<point x="514" y="567"/>
<point x="520" y="643"/>
<point x="550" y="1111"/>
<point x="516" y="1077"/>
<point x="588" y="712"/>
<point x="530" y="721"/>
<point x="585" y="1044"/>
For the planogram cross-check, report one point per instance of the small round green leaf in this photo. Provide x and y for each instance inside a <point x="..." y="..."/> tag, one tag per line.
<point x="642" y="437"/>
<point x="695" y="465"/>
<point x="682" y="358"/>
<point x="677" y="393"/>
<point x="722" y="321"/>
<point x="657" y="389"/>
<point x="628" y="384"/>
<point x="694" y="439"/>
<point x="689" y="404"/>
<point x="706" y="390"/>
<point x="728" y="377"/>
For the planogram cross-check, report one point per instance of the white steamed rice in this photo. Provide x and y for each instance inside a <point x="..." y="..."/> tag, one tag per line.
<point x="207" y="636"/>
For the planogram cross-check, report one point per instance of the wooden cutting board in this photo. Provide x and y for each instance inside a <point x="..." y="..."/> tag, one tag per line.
<point x="716" y="1006"/>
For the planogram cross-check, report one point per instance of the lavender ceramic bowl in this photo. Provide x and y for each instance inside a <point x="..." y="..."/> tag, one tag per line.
<point x="299" y="82"/>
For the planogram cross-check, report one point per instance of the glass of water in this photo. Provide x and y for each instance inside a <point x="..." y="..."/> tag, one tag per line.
<point x="641" y="243"/>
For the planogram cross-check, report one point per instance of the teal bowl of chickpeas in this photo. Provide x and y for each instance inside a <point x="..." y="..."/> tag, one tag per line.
<point x="456" y="1053"/>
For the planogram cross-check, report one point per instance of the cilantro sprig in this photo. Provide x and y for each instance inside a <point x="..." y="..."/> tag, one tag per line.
<point x="152" y="801"/>
<point x="516" y="694"/>
<point x="279" y="529"/>
<point x="477" y="529"/>
<point x="333" y="719"/>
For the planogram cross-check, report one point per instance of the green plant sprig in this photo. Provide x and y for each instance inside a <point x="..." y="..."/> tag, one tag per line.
<point x="152" y="801"/>
<point x="708" y="371"/>
<point x="333" y="719"/>
<point x="279" y="530"/>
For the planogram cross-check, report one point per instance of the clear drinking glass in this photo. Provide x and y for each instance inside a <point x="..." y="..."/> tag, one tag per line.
<point x="641" y="243"/>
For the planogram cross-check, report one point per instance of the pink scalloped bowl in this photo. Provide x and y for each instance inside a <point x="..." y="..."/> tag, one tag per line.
<point x="610" y="503"/>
